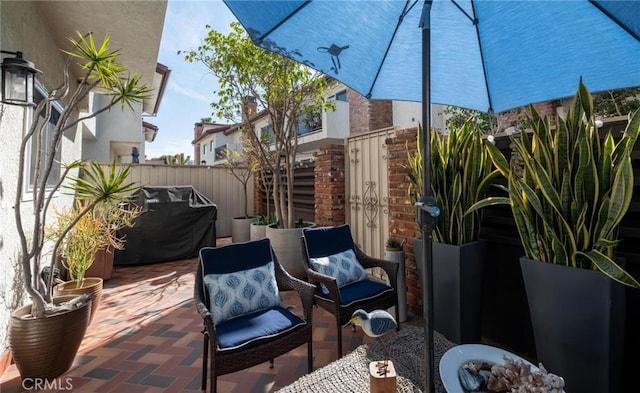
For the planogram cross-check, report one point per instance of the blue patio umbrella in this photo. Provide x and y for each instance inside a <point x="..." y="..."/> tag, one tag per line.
<point x="486" y="55"/>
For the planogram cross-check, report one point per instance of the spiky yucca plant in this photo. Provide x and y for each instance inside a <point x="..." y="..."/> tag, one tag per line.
<point x="461" y="173"/>
<point x="100" y="69"/>
<point x="571" y="189"/>
<point x="91" y="224"/>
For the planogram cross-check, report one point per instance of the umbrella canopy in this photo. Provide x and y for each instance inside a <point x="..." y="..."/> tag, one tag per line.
<point x="487" y="55"/>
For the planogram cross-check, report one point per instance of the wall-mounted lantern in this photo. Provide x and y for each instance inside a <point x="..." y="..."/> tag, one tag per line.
<point x="18" y="77"/>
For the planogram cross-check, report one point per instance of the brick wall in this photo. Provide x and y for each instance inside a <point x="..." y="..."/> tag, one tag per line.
<point x="402" y="222"/>
<point x="330" y="186"/>
<point x="507" y="119"/>
<point x="380" y="114"/>
<point x="358" y="113"/>
<point x="366" y="115"/>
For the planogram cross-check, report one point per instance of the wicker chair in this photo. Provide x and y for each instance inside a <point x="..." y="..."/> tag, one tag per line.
<point x="367" y="294"/>
<point x="236" y="343"/>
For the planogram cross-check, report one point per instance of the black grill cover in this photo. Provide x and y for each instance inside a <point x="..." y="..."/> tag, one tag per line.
<point x="176" y="222"/>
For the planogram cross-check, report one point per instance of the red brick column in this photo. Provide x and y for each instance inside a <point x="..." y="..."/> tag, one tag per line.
<point x="402" y="221"/>
<point x="330" y="186"/>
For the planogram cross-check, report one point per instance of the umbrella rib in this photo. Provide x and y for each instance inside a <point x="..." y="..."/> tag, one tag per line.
<point x="484" y="68"/>
<point x="473" y="20"/>
<point x="406" y="10"/>
<point x="615" y="19"/>
<point x="259" y="40"/>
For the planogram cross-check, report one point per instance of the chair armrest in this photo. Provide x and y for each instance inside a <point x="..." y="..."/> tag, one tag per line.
<point x="305" y="290"/>
<point x="202" y="309"/>
<point x="331" y="283"/>
<point x="390" y="268"/>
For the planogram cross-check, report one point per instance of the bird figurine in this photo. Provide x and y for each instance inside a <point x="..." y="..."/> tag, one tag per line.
<point x="375" y="324"/>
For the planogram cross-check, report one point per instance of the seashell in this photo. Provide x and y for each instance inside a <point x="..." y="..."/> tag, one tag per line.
<point x="470" y="382"/>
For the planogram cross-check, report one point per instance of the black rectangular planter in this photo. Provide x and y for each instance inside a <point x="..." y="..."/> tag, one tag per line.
<point x="578" y="324"/>
<point x="457" y="289"/>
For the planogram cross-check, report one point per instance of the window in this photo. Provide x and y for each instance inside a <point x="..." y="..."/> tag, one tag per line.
<point x="219" y="151"/>
<point x="266" y="134"/>
<point x="310" y="122"/>
<point x="45" y="144"/>
<point x="211" y="147"/>
<point x="341" y="96"/>
<point x="204" y="149"/>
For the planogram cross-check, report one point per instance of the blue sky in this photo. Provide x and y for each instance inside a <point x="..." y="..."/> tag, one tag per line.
<point x="190" y="88"/>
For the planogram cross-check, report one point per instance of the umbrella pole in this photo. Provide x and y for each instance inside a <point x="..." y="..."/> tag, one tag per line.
<point x="427" y="216"/>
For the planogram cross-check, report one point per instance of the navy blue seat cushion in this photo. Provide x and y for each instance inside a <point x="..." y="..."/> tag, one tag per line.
<point x="250" y="329"/>
<point x="358" y="291"/>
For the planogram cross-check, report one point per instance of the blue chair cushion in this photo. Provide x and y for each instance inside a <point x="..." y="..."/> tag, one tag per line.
<point x="359" y="291"/>
<point x="234" y="294"/>
<point x="325" y="241"/>
<point x="343" y="266"/>
<point x="236" y="256"/>
<point x="250" y="329"/>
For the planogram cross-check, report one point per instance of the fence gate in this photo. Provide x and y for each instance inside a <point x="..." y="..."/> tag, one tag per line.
<point x="368" y="190"/>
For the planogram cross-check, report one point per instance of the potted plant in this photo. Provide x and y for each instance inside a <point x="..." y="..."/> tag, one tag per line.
<point x="259" y="226"/>
<point x="46" y="322"/>
<point x="242" y="168"/>
<point x="95" y="230"/>
<point x="256" y="84"/>
<point x="568" y="191"/>
<point x="393" y="251"/>
<point x="461" y="175"/>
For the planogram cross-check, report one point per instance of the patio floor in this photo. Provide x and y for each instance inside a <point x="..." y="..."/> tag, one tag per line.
<point x="146" y="337"/>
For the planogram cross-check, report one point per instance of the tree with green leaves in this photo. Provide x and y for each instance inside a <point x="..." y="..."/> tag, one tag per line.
<point x="616" y="102"/>
<point x="285" y="89"/>
<point x="176" y="159"/>
<point x="242" y="168"/>
<point x="457" y="117"/>
<point x="181" y="159"/>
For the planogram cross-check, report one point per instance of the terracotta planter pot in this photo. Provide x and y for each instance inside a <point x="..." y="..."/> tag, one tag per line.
<point x="46" y="347"/>
<point x="102" y="265"/>
<point x="92" y="285"/>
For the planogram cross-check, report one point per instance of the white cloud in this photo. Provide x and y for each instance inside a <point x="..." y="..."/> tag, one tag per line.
<point x="194" y="94"/>
<point x="185" y="23"/>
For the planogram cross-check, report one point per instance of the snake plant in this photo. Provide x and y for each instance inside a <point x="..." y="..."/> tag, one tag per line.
<point x="570" y="189"/>
<point x="461" y="173"/>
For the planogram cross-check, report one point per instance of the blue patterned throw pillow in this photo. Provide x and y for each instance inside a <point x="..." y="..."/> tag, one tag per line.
<point x="343" y="266"/>
<point x="242" y="292"/>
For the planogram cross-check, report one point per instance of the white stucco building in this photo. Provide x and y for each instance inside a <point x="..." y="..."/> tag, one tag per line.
<point x="40" y="30"/>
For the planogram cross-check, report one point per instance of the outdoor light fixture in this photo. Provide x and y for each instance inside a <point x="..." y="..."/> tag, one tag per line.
<point x="17" y="79"/>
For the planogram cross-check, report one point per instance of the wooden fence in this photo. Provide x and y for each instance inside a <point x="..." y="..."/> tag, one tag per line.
<point x="303" y="193"/>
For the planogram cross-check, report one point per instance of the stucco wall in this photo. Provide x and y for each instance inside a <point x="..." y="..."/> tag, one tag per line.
<point x="408" y="114"/>
<point x="21" y="27"/>
<point x="120" y="126"/>
<point x="219" y="139"/>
